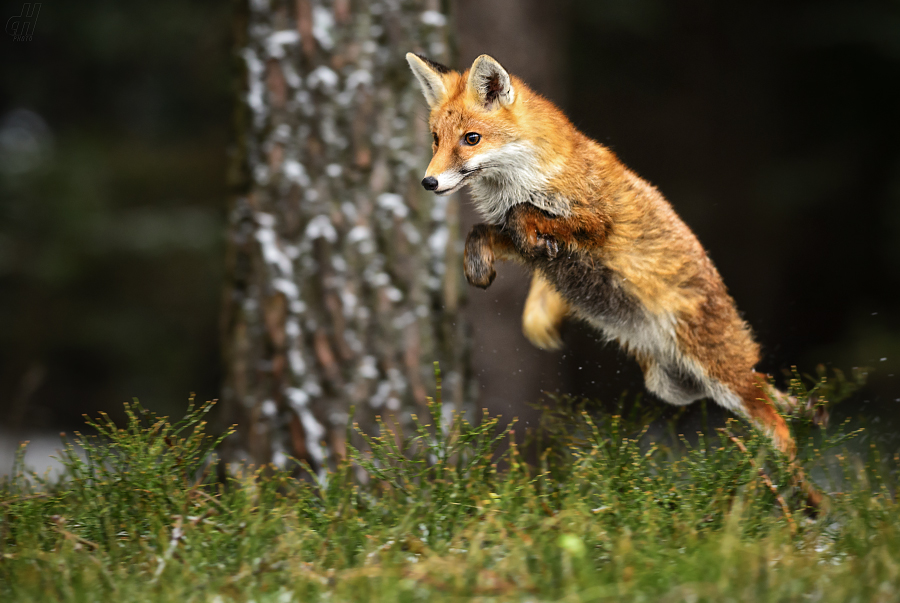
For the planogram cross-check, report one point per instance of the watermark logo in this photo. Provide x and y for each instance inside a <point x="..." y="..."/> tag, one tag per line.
<point x="21" y="28"/>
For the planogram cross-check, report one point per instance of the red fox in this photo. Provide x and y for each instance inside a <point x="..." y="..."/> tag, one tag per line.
<point x="603" y="244"/>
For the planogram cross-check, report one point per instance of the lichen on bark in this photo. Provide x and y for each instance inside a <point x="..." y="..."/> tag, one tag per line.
<point x="344" y="275"/>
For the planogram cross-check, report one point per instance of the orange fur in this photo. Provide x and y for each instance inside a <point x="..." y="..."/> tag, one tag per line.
<point x="544" y="312"/>
<point x="605" y="246"/>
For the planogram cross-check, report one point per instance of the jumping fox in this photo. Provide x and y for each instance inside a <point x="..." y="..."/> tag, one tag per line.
<point x="603" y="244"/>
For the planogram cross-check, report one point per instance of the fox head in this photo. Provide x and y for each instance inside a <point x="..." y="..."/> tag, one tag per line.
<point x="489" y="130"/>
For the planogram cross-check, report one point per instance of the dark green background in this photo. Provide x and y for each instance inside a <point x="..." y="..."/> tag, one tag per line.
<point x="771" y="127"/>
<point x="111" y="247"/>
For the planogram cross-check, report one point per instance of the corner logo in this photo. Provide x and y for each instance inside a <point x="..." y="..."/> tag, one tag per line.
<point x="22" y="27"/>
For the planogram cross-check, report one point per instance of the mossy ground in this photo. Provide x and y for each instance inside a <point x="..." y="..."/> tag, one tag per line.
<point x="603" y="516"/>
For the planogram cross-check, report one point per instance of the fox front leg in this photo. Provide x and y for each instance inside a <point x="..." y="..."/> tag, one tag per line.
<point x="538" y="234"/>
<point x="531" y="231"/>
<point x="478" y="257"/>
<point x="524" y="235"/>
<point x="485" y="244"/>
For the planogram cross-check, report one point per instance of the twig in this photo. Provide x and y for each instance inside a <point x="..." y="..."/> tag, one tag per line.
<point x="70" y="536"/>
<point x="23" y="498"/>
<point x="211" y="499"/>
<point x="177" y="536"/>
<point x="766" y="480"/>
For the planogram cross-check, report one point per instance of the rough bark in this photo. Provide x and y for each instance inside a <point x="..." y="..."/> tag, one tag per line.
<point x="344" y="274"/>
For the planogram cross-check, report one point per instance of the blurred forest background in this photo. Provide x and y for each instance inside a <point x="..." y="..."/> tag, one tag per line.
<point x="772" y="129"/>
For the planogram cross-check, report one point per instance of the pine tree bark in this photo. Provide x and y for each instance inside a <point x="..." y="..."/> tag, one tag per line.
<point x="344" y="274"/>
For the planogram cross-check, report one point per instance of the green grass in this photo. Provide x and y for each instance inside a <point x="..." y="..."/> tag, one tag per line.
<point x="604" y="516"/>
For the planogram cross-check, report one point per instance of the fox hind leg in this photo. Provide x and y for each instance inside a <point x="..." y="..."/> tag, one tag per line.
<point x="544" y="312"/>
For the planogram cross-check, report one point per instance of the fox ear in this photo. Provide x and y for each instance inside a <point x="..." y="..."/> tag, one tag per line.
<point x="430" y="76"/>
<point x="491" y="83"/>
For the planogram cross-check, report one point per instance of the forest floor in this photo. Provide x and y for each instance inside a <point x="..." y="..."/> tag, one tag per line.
<point x="604" y="515"/>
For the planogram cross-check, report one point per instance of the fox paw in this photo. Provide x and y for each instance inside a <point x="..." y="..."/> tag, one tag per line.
<point x="480" y="274"/>
<point x="535" y="244"/>
<point x="478" y="261"/>
<point x="524" y="223"/>
<point x="547" y="245"/>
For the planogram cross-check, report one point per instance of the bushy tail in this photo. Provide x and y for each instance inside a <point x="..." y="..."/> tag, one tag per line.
<point x="765" y="405"/>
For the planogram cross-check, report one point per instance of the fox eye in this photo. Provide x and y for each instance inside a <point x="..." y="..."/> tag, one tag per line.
<point x="435" y="136"/>
<point x="472" y="139"/>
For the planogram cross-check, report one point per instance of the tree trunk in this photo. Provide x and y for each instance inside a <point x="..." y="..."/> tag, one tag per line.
<point x="344" y="274"/>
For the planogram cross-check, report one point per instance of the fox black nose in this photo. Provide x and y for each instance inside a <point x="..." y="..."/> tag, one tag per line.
<point x="430" y="183"/>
